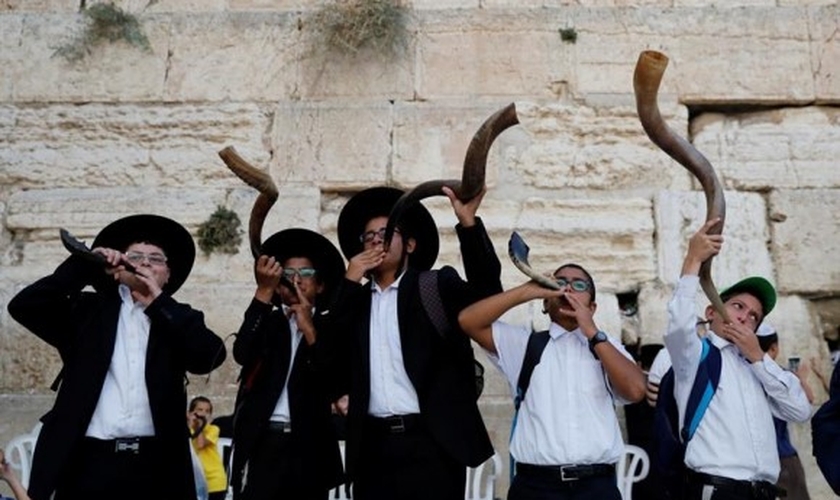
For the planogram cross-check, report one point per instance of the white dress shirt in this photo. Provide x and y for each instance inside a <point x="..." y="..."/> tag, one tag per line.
<point x="123" y="408"/>
<point x="660" y="366"/>
<point x="736" y="437"/>
<point x="568" y="415"/>
<point x="391" y="391"/>
<point x="281" y="411"/>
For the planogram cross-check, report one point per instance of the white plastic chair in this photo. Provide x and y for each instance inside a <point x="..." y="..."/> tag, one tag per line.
<point x="481" y="481"/>
<point x="20" y="451"/>
<point x="339" y="492"/>
<point x="632" y="468"/>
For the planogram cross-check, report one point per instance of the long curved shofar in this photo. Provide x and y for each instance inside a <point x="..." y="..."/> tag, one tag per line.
<point x="518" y="251"/>
<point x="646" y="80"/>
<point x="260" y="181"/>
<point x="472" y="177"/>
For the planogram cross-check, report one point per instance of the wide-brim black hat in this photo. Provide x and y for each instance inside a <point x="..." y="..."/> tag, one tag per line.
<point x="377" y="202"/>
<point x="298" y="242"/>
<point x="175" y="241"/>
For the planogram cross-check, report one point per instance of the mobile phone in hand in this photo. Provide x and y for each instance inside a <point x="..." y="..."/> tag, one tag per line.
<point x="793" y="363"/>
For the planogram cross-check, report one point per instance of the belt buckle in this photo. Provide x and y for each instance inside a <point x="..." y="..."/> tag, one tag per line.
<point x="127" y="444"/>
<point x="398" y="426"/>
<point x="563" y="473"/>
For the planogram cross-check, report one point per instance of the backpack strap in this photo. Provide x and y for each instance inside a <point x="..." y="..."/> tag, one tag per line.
<point x="705" y="384"/>
<point x="430" y="297"/>
<point x="537" y="342"/>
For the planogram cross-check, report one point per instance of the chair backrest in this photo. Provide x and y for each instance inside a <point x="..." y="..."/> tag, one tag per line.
<point x="632" y="468"/>
<point x="341" y="492"/>
<point x="481" y="481"/>
<point x="225" y="447"/>
<point x="20" y="451"/>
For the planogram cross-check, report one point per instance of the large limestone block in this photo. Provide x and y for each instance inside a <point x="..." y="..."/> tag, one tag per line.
<point x="745" y="251"/>
<point x="805" y="239"/>
<point x="798" y="329"/>
<point x="784" y="148"/>
<point x="431" y="141"/>
<point x="111" y="71"/>
<point x="39" y="6"/>
<point x="492" y="53"/>
<point x="236" y="56"/>
<point x="127" y="145"/>
<point x="825" y="49"/>
<point x="336" y="144"/>
<point x="578" y="146"/>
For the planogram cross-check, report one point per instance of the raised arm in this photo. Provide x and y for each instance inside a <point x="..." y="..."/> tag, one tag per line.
<point x="477" y="319"/>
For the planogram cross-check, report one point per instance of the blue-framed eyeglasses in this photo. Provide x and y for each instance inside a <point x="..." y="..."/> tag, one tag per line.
<point x="303" y="272"/>
<point x="577" y="284"/>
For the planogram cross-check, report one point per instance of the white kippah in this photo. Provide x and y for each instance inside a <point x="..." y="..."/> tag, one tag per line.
<point x="765" y="330"/>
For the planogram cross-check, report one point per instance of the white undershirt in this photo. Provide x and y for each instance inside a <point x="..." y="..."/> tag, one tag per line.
<point x="391" y="391"/>
<point x="123" y="408"/>
<point x="568" y="415"/>
<point x="281" y="411"/>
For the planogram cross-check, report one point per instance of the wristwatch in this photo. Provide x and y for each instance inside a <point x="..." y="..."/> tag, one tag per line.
<point x="596" y="339"/>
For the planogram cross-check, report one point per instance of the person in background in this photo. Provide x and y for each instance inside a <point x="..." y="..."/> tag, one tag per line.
<point x="284" y="442"/>
<point x="639" y="424"/>
<point x="566" y="440"/>
<point x="792" y="474"/>
<point x="126" y="347"/>
<point x="205" y="438"/>
<point x="8" y="475"/>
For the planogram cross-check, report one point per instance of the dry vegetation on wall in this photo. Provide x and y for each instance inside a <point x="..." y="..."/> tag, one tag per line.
<point x="104" y="22"/>
<point x="222" y="232"/>
<point x="348" y="26"/>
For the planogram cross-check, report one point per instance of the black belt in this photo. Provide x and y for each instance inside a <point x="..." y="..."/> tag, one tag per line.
<point x="565" y="472"/>
<point x="758" y="490"/>
<point x="281" y="427"/>
<point x="130" y="445"/>
<point x="395" y="424"/>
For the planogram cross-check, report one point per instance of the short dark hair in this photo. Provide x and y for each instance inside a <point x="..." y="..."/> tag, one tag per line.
<point x="200" y="399"/>
<point x="585" y="273"/>
<point x="767" y="341"/>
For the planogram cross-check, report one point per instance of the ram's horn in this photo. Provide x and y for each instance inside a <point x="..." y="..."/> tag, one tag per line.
<point x="472" y="177"/>
<point x="646" y="80"/>
<point x="260" y="181"/>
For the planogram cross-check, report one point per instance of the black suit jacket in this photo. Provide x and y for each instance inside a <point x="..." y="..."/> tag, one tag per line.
<point x="440" y="368"/>
<point x="263" y="348"/>
<point x="83" y="326"/>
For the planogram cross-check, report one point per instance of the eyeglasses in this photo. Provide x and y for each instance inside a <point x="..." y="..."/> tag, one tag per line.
<point x="577" y="284"/>
<point x="370" y="236"/>
<point x="303" y="272"/>
<point x="157" y="259"/>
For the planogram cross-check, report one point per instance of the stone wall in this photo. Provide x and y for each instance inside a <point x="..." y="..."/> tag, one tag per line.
<point x="754" y="84"/>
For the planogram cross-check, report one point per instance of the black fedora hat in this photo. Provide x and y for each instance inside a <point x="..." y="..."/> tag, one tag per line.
<point x="171" y="237"/>
<point x="298" y="242"/>
<point x="377" y="202"/>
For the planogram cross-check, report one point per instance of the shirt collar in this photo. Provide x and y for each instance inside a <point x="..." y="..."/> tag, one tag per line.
<point x="556" y="331"/>
<point x="374" y="286"/>
<point x="127" y="299"/>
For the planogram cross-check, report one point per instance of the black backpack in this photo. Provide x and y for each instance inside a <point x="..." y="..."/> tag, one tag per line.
<point x="669" y="442"/>
<point x="537" y="342"/>
<point x="430" y="297"/>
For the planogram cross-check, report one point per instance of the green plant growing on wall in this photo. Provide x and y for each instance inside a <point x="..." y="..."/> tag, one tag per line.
<point x="348" y="26"/>
<point x="104" y="22"/>
<point x="568" y="35"/>
<point x="222" y="232"/>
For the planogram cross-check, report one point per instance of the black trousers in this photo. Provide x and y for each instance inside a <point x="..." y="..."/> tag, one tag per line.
<point x="407" y="465"/>
<point x="527" y="487"/>
<point x="97" y="470"/>
<point x="275" y="473"/>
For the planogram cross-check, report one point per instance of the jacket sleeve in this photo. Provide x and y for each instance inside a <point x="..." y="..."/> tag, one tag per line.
<point x="176" y="322"/>
<point x="46" y="306"/>
<point x="481" y="264"/>
<point x="250" y="340"/>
